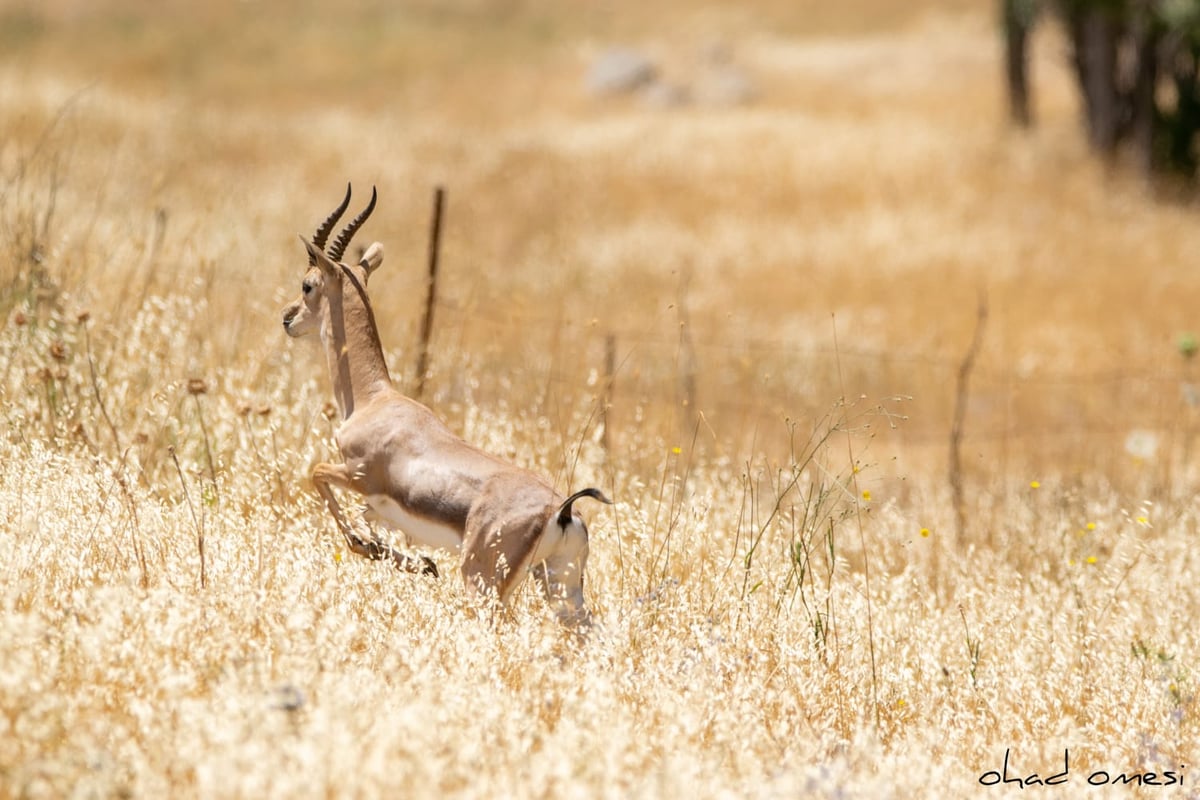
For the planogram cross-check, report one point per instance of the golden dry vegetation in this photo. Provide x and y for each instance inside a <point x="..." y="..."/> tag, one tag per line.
<point x="789" y="287"/>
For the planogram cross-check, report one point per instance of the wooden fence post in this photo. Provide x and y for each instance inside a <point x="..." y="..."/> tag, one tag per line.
<point x="435" y="240"/>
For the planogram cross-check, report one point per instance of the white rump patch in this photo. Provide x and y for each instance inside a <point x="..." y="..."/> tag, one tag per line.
<point x="419" y="530"/>
<point x="563" y="543"/>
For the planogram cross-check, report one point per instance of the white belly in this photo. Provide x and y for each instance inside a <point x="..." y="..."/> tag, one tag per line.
<point x="419" y="530"/>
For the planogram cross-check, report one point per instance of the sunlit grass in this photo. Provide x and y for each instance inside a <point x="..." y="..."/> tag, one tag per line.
<point x="784" y="606"/>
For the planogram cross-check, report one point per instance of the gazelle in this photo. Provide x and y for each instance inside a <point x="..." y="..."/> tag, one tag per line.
<point x="415" y="475"/>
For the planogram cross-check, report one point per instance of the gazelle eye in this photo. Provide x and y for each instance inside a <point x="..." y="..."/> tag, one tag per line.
<point x="308" y="288"/>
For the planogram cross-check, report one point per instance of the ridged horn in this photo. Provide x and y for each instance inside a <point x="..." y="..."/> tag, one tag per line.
<point x="343" y="240"/>
<point x="326" y="227"/>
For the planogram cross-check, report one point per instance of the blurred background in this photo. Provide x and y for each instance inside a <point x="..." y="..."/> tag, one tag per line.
<point x="686" y="246"/>
<point x="973" y="223"/>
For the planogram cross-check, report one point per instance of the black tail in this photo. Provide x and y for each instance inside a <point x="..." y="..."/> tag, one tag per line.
<point x="564" y="511"/>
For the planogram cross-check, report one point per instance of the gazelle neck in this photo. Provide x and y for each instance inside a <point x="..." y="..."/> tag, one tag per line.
<point x="352" y="347"/>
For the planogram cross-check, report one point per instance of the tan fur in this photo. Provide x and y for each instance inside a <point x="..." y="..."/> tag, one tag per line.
<point x="503" y="518"/>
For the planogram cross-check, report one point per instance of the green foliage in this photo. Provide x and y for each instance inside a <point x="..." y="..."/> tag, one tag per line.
<point x="1180" y="16"/>
<point x="1188" y="344"/>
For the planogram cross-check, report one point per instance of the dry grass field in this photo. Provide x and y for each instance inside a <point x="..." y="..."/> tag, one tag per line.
<point x="787" y="286"/>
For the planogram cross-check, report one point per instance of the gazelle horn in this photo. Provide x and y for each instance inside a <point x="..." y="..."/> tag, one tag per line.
<point x="324" y="229"/>
<point x="339" y="246"/>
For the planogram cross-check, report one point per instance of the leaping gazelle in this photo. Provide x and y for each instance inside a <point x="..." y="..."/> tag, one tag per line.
<point x="415" y="475"/>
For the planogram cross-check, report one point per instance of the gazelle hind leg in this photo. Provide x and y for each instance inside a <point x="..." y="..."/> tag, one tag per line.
<point x="498" y="554"/>
<point x="563" y="590"/>
<point x="490" y="569"/>
<point x="326" y="475"/>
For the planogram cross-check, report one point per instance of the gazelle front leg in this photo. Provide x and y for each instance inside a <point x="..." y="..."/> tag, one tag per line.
<point x="326" y="475"/>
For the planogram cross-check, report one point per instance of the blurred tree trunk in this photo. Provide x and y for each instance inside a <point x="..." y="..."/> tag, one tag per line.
<point x="1018" y="17"/>
<point x="1094" y="29"/>
<point x="1180" y="127"/>
<point x="1137" y="66"/>
<point x="1142" y="102"/>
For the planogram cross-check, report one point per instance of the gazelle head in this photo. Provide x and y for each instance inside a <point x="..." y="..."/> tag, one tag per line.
<point x="326" y="273"/>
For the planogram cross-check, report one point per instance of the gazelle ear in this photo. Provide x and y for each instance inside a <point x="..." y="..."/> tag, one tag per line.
<point x="318" y="257"/>
<point x="372" y="258"/>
